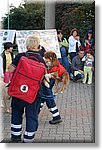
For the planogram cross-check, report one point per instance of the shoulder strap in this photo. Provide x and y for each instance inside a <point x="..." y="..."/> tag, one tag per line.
<point x="31" y="57"/>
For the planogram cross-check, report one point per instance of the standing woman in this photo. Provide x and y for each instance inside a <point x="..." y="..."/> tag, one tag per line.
<point x="74" y="43"/>
<point x="88" y="42"/>
<point x="63" y="44"/>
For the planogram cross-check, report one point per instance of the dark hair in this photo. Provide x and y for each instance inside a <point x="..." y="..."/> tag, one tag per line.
<point x="7" y="45"/>
<point x="75" y="29"/>
<point x="89" y="52"/>
<point x="58" y="32"/>
<point x="89" y="32"/>
<point x="81" y="51"/>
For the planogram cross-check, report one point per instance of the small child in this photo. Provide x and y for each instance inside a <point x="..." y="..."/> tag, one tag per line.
<point x="7" y="57"/>
<point x="88" y="65"/>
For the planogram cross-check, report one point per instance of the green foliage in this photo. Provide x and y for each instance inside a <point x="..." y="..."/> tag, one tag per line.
<point x="75" y="15"/>
<point x="68" y="15"/>
<point x="28" y="16"/>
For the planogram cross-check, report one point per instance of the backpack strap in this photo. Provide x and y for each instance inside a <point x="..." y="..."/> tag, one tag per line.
<point x="31" y="57"/>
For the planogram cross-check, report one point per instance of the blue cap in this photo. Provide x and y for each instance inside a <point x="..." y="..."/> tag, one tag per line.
<point x="90" y="31"/>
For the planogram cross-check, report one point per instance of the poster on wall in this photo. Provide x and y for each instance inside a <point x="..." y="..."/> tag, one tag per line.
<point x="48" y="39"/>
<point x="6" y="36"/>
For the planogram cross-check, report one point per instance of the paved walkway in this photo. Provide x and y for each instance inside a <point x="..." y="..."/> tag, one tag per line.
<point x="76" y="107"/>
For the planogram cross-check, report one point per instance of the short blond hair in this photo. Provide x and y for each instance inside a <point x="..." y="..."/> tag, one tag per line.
<point x="32" y="42"/>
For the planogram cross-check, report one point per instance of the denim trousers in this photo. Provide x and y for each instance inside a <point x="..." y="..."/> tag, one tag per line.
<point x="64" y="59"/>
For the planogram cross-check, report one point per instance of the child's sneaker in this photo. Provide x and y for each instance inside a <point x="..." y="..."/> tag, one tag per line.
<point x="89" y="83"/>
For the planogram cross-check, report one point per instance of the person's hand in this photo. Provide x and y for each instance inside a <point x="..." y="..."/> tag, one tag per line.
<point x="47" y="77"/>
<point x="86" y="58"/>
<point x="80" y="71"/>
<point x="91" y="56"/>
<point x="93" y="69"/>
<point x="77" y="38"/>
<point x="87" y="42"/>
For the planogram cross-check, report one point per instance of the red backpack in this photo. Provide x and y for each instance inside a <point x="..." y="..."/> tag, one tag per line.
<point x="26" y="80"/>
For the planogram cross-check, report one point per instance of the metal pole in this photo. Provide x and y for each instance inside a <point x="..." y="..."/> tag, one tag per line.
<point x="49" y="14"/>
<point x="8" y="21"/>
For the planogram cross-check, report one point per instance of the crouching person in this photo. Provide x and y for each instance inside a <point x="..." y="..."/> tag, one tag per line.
<point x="18" y="104"/>
<point x="77" y="66"/>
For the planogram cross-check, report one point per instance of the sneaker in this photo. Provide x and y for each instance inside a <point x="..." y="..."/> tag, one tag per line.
<point x="74" y="79"/>
<point x="89" y="83"/>
<point x="55" y="121"/>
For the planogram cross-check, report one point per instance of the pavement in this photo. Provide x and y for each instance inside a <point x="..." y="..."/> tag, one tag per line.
<point x="77" y="109"/>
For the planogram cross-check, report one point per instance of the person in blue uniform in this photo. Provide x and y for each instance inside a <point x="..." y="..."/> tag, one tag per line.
<point x="19" y="106"/>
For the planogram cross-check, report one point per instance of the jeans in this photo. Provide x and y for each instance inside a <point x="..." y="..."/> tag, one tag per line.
<point x="64" y="59"/>
<point x="72" y="55"/>
<point x="78" y="77"/>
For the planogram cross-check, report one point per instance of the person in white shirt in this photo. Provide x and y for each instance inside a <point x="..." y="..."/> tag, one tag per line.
<point x="74" y="43"/>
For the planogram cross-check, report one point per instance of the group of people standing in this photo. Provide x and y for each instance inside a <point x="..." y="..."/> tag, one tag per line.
<point x="77" y="55"/>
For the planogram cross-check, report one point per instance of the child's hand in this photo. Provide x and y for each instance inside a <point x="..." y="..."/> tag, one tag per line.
<point x="86" y="58"/>
<point x="93" y="69"/>
<point x="91" y="56"/>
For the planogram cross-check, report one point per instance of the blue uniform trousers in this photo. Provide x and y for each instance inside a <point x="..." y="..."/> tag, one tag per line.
<point x="31" y="114"/>
<point x="46" y="95"/>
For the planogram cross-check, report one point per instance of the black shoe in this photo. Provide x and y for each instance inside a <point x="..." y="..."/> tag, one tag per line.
<point x="16" y="141"/>
<point x="74" y="80"/>
<point x="55" y="121"/>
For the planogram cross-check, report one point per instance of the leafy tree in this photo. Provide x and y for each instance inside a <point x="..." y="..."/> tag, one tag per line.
<point x="68" y="15"/>
<point x="27" y="16"/>
<point x="75" y="15"/>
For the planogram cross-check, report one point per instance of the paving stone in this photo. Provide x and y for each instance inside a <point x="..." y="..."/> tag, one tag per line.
<point x="76" y="107"/>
